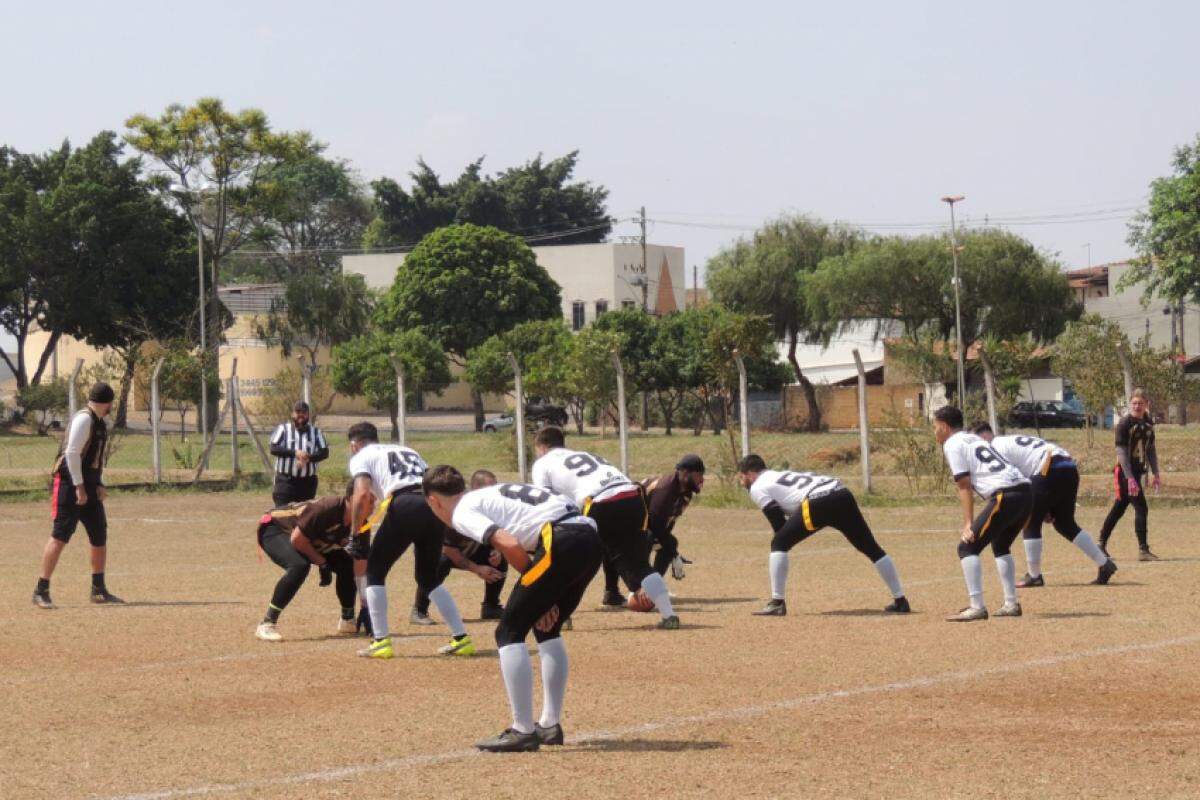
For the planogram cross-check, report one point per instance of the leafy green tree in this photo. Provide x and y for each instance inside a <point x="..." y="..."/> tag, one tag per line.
<point x="317" y="310"/>
<point x="764" y="275"/>
<point x="1086" y="355"/>
<point x="667" y="368"/>
<point x="637" y="330"/>
<point x="540" y="347"/>
<point x="1166" y="235"/>
<point x="590" y="376"/>
<point x="537" y="199"/>
<point x="1014" y="362"/>
<point x="1159" y="372"/>
<point x="179" y="381"/>
<point x="44" y="399"/>
<point x="364" y="367"/>
<point x="464" y="284"/>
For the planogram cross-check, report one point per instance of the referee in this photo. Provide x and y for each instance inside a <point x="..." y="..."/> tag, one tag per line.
<point x="297" y="446"/>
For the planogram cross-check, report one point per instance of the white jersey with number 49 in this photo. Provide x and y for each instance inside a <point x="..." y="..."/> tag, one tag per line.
<point x="518" y="508"/>
<point x="1029" y="454"/>
<point x="789" y="490"/>
<point x="967" y="454"/>
<point x="577" y="474"/>
<point x="390" y="467"/>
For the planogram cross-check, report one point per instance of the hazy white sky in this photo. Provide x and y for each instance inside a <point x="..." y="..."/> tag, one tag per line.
<point x="713" y="114"/>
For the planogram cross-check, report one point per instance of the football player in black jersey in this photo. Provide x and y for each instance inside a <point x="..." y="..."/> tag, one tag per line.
<point x="1136" y="455"/>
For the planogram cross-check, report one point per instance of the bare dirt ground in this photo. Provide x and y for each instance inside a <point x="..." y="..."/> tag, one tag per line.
<point x="1093" y="693"/>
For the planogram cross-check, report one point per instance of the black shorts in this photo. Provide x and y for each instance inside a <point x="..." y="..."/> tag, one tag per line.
<point x="566" y="560"/>
<point x="1055" y="494"/>
<point x="1002" y="518"/>
<point x="408" y="520"/>
<point x="66" y="514"/>
<point x="622" y="526"/>
<point x="838" y="510"/>
<point x="288" y="489"/>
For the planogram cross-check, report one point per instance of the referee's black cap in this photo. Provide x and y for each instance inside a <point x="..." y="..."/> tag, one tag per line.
<point x="692" y="463"/>
<point x="300" y="405"/>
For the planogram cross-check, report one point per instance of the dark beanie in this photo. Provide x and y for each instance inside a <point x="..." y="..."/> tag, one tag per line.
<point x="691" y="463"/>
<point x="101" y="393"/>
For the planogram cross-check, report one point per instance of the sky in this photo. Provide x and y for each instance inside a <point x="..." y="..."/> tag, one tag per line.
<point x="1051" y="117"/>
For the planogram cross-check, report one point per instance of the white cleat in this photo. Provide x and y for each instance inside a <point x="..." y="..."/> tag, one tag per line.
<point x="1008" y="610"/>
<point x="268" y="632"/>
<point x="346" y="627"/>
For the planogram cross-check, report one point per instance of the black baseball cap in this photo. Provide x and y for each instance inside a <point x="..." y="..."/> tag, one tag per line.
<point x="300" y="406"/>
<point x="101" y="393"/>
<point x="692" y="463"/>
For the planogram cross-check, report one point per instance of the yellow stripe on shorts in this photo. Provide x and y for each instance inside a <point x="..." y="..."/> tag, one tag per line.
<point x="538" y="569"/>
<point x="808" y="523"/>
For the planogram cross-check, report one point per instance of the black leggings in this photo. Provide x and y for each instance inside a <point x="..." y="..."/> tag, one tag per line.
<point x="491" y="591"/>
<point x="1054" y="494"/>
<point x="1002" y="518"/>
<point x="408" y="520"/>
<point x="622" y="527"/>
<point x="1140" y="510"/>
<point x="668" y="548"/>
<point x="838" y="510"/>
<point x="277" y="544"/>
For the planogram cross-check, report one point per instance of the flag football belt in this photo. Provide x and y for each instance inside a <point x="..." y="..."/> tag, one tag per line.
<point x="547" y="536"/>
<point x="633" y="491"/>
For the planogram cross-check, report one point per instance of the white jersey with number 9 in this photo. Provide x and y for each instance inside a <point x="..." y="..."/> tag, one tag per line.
<point x="967" y="454"/>
<point x="577" y="474"/>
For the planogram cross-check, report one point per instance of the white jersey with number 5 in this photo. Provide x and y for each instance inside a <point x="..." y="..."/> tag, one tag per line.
<point x="518" y="508"/>
<point x="967" y="454"/>
<point x="1029" y="454"/>
<point x="389" y="466"/>
<point x="789" y="490"/>
<point x="578" y="475"/>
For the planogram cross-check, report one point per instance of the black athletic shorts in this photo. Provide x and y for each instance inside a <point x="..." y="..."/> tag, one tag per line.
<point x="288" y="489"/>
<point x="624" y="534"/>
<point x="1002" y="518"/>
<point x="838" y="510"/>
<point x="408" y="520"/>
<point x="566" y="560"/>
<point x="1055" y="493"/>
<point x="67" y="514"/>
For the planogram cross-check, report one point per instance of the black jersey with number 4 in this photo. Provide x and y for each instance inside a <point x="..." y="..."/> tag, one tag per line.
<point x="1138" y="435"/>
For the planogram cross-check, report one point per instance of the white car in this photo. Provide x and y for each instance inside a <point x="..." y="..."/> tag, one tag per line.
<point x="496" y="424"/>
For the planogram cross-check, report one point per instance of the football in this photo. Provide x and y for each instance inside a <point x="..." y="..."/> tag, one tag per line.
<point x="638" y="601"/>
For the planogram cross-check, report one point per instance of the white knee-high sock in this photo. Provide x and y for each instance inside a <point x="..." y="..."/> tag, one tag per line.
<point x="377" y="608"/>
<point x="973" y="575"/>
<point x="448" y="609"/>
<point x="518" y="683"/>
<point x="553" y="655"/>
<point x="887" y="570"/>
<point x="779" y="570"/>
<point x="1033" y="556"/>
<point x="1008" y="577"/>
<point x="656" y="590"/>
<point x="1084" y="541"/>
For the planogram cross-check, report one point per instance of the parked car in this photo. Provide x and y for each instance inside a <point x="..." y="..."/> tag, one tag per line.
<point x="537" y="414"/>
<point x="496" y="424"/>
<point x="1047" y="414"/>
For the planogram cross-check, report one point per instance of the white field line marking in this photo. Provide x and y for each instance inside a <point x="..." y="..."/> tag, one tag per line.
<point x="717" y="715"/>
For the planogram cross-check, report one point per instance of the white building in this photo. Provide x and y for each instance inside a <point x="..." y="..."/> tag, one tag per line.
<point x="1097" y="288"/>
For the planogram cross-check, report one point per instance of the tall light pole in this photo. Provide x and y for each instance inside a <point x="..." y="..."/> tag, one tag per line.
<point x="962" y="381"/>
<point x="194" y="195"/>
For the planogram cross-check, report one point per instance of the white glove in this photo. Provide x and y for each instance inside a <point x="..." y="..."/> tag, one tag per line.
<point x="677" y="570"/>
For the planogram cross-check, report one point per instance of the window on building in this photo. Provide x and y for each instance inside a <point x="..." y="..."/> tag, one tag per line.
<point x="601" y="308"/>
<point x="577" y="315"/>
<point x="628" y="304"/>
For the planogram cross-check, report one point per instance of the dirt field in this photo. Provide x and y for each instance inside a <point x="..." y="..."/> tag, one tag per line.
<point x="1093" y="693"/>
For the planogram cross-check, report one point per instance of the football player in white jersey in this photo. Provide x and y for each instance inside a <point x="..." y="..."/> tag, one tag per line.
<point x="798" y="504"/>
<point x="1055" y="479"/>
<point x="617" y="504"/>
<point x="392" y="474"/>
<point x="557" y="550"/>
<point x="977" y="467"/>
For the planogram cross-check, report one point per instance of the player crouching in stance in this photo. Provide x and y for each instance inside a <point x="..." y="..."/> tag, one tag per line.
<point x="557" y="551"/>
<point x="617" y="504"/>
<point x="798" y="504"/>
<point x="1055" y="479"/>
<point x="300" y="535"/>
<point x="976" y="466"/>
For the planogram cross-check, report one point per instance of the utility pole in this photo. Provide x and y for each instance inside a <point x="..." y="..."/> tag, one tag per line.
<point x="695" y="286"/>
<point x="645" y="309"/>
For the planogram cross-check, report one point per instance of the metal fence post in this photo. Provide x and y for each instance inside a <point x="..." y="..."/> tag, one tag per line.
<point x="622" y="413"/>
<point x="155" y="413"/>
<point x="401" y="411"/>
<point x="989" y="386"/>
<point x="744" y="402"/>
<point x="864" y="434"/>
<point x="72" y="399"/>
<point x="233" y="425"/>
<point x="520" y="390"/>
<point x="306" y="385"/>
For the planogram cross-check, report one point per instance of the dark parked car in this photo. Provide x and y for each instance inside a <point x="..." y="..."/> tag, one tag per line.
<point x="537" y="414"/>
<point x="1049" y="414"/>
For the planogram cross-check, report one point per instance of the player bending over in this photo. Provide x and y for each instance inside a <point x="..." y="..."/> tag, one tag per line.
<point x="461" y="552"/>
<point x="667" y="497"/>
<point x="1055" y="480"/>
<point x="557" y="550"/>
<point x="977" y="467"/>
<point x="618" y="506"/>
<point x="798" y="504"/>
<point x="299" y="536"/>
<point x="392" y="474"/>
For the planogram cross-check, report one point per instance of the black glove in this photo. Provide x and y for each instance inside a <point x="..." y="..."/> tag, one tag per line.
<point x="363" y="624"/>
<point x="326" y="573"/>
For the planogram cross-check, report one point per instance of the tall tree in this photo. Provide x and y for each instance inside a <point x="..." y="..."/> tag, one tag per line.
<point x="364" y="367"/>
<point x="638" y="331"/>
<point x="318" y="310"/>
<point x="1167" y="235"/>
<point x="764" y="276"/>
<point x="1086" y="355"/>
<point x="537" y="199"/>
<point x="465" y="283"/>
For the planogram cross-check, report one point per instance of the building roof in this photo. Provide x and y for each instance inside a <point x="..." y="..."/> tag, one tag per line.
<point x="251" y="298"/>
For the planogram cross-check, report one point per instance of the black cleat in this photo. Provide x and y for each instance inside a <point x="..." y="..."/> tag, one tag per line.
<point x="1106" y="571"/>
<point x="1145" y="555"/>
<point x="105" y="596"/>
<point x="613" y="599"/>
<point x="511" y="741"/>
<point x="491" y="611"/>
<point x="898" y="606"/>
<point x="774" y="608"/>
<point x="549" y="736"/>
<point x="42" y="600"/>
<point x="1028" y="581"/>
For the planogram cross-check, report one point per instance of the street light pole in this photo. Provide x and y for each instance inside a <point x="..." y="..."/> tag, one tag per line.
<point x="962" y="381"/>
<point x="203" y="336"/>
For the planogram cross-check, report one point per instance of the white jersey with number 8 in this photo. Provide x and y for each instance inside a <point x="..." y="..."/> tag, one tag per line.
<point x="577" y="474"/>
<point x="390" y="467"/>
<point x="967" y="454"/>
<point x="789" y="489"/>
<point x="518" y="508"/>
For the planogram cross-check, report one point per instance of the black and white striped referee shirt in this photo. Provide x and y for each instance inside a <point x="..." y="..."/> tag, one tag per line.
<point x="287" y="439"/>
